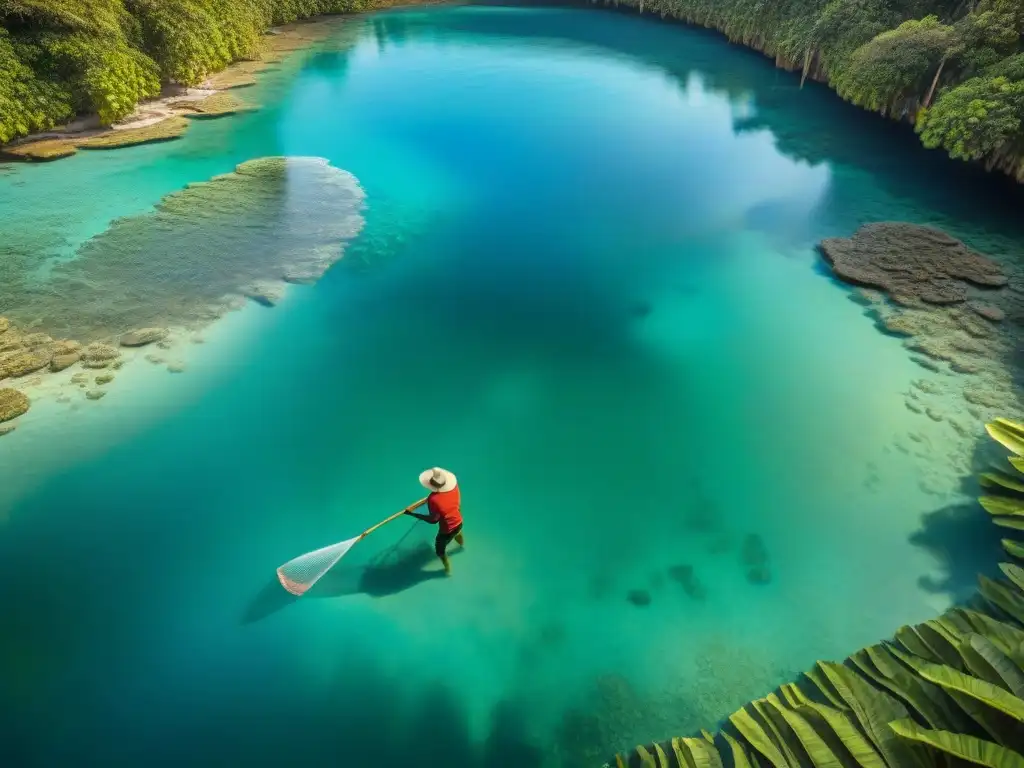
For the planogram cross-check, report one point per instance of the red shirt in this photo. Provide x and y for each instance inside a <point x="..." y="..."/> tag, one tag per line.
<point x="445" y="509"/>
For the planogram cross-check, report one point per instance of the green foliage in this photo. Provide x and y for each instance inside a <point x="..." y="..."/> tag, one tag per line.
<point x="896" y="65"/>
<point x="976" y="119"/>
<point x="845" y="25"/>
<point x="27" y="103"/>
<point x="62" y="57"/>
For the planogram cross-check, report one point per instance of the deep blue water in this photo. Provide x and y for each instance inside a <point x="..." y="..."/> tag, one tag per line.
<point x="587" y="285"/>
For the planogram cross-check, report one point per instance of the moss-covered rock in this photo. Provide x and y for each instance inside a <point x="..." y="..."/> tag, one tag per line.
<point x="165" y="130"/>
<point x="12" y="404"/>
<point x="143" y="336"/>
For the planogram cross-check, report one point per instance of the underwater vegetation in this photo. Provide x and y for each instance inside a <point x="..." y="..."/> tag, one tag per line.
<point x="948" y="692"/>
<point x="272" y="220"/>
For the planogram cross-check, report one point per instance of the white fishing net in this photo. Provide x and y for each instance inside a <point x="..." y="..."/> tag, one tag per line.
<point x="298" y="575"/>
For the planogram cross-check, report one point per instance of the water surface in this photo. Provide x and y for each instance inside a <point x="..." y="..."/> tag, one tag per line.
<point x="587" y="285"/>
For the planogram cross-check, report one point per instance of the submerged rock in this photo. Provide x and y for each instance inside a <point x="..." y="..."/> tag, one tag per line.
<point x="97" y="352"/>
<point x="143" y="336"/>
<point x="6" y="429"/>
<point x="22" y="364"/>
<point x="639" y="597"/>
<point x="687" y="578"/>
<point x="12" y="404"/>
<point x="4" y="324"/>
<point x="61" y="362"/>
<point x="911" y="263"/>
<point x="105" y="378"/>
<point x="95" y="394"/>
<point x="993" y="314"/>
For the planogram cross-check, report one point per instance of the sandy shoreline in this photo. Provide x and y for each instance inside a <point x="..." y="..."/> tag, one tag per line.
<point x="167" y="118"/>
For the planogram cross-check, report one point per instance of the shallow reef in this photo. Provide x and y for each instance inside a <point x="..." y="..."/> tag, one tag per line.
<point x="202" y="248"/>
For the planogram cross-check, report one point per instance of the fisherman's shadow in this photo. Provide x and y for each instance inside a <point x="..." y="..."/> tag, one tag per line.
<point x="394" y="572"/>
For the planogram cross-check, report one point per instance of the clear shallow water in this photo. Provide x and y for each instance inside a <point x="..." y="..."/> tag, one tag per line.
<point x="587" y="286"/>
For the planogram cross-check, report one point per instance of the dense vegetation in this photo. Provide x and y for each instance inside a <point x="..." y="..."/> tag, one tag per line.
<point x="953" y="67"/>
<point x="943" y="694"/>
<point x="59" y="58"/>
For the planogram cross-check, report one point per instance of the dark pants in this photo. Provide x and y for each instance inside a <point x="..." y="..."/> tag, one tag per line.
<point x="444" y="539"/>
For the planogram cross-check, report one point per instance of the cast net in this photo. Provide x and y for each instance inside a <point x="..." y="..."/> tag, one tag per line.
<point x="304" y="571"/>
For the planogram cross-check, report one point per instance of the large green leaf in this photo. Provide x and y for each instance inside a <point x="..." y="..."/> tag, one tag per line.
<point x="909" y="639"/>
<point x="1017" y="462"/>
<point x="942" y="642"/>
<point x="1007" y="637"/>
<point x="1002" y="505"/>
<point x="646" y="759"/>
<point x="874" y="711"/>
<point x="1001" y="667"/>
<point x="702" y="754"/>
<point x="1013" y="548"/>
<point x="1017" y="523"/>
<point x="1005" y="432"/>
<point x="823" y="684"/>
<point x="817" y="749"/>
<point x="759" y="738"/>
<point x="965" y="747"/>
<point x="985" y="692"/>
<point x="999" y="595"/>
<point x="780" y="731"/>
<point x="843" y="727"/>
<point x="927" y="699"/>
<point x="1011" y="426"/>
<point x="740" y="757"/>
<point x="1014" y="573"/>
<point x="1000" y="480"/>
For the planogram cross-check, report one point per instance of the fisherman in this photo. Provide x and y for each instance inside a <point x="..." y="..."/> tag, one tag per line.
<point x="444" y="508"/>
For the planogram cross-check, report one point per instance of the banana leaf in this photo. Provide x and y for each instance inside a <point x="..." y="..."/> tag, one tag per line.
<point x="999" y="480"/>
<point x="660" y="757"/>
<point x="1005" y="433"/>
<point x="707" y="736"/>
<point x="1014" y="573"/>
<point x="823" y="684"/>
<point x="821" y="754"/>
<point x="683" y="757"/>
<point x="1010" y="601"/>
<point x="792" y="694"/>
<point x="1017" y="523"/>
<point x="849" y="735"/>
<point x="909" y="639"/>
<point x="968" y="748"/>
<point x="759" y="738"/>
<point x="944" y="644"/>
<point x="1007" y="673"/>
<point x="1014" y="548"/>
<point x="1002" y="505"/>
<point x="1011" y="426"/>
<point x="703" y="754"/>
<point x="927" y="700"/>
<point x="645" y="758"/>
<point x="780" y="731"/>
<point x="1017" y="462"/>
<point x="1006" y="637"/>
<point x="740" y="756"/>
<point x="873" y="710"/>
<point x="985" y="692"/>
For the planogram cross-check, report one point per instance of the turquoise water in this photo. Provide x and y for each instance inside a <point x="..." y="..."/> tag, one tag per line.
<point x="587" y="285"/>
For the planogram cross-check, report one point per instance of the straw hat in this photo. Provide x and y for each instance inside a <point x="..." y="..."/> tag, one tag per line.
<point x="438" y="480"/>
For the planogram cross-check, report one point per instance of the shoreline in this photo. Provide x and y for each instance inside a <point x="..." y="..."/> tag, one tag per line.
<point x="167" y="118"/>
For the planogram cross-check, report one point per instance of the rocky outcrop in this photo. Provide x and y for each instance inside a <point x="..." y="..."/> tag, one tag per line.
<point x="143" y="336"/>
<point x="12" y="404"/>
<point x="914" y="265"/>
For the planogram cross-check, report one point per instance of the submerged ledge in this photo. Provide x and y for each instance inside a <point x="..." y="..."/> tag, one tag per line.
<point x="204" y="251"/>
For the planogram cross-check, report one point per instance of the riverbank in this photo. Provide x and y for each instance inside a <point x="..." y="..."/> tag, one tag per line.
<point x="856" y="53"/>
<point x="168" y="117"/>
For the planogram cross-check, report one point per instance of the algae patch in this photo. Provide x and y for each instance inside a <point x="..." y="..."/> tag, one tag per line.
<point x="184" y="263"/>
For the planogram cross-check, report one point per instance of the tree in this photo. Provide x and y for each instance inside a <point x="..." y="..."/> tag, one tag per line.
<point x="977" y="119"/>
<point x="897" y="65"/>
